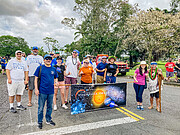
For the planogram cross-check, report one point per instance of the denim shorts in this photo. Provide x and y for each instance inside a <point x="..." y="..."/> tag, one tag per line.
<point x="155" y="94"/>
<point x="171" y="74"/>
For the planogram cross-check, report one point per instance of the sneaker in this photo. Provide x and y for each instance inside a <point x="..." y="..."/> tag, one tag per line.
<point x="55" y="107"/>
<point x="40" y="125"/>
<point x="51" y="123"/>
<point x="64" y="106"/>
<point x="21" y="107"/>
<point x="138" y="107"/>
<point x="13" y="110"/>
<point x="4" y="73"/>
<point x="142" y="108"/>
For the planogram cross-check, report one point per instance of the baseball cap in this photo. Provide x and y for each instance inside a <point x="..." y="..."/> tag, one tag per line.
<point x="76" y="51"/>
<point x="153" y="63"/>
<point x="47" y="56"/>
<point x="143" y="62"/>
<point x="35" y="48"/>
<point x="18" y="51"/>
<point x="88" y="55"/>
<point x="104" y="57"/>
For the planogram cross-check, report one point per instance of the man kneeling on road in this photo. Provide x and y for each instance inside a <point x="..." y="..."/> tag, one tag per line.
<point x="16" y="70"/>
<point x="45" y="92"/>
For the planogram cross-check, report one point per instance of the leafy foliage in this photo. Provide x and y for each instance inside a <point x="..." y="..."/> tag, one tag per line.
<point x="9" y="45"/>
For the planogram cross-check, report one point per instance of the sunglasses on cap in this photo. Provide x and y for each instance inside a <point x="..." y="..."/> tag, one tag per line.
<point x="48" y="58"/>
<point x="86" y="62"/>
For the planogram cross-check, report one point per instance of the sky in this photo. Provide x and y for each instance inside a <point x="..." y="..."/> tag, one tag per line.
<point x="34" y="20"/>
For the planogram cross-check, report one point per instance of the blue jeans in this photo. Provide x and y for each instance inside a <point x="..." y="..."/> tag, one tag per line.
<point x="110" y="79"/>
<point x="139" y="89"/>
<point x="41" y="102"/>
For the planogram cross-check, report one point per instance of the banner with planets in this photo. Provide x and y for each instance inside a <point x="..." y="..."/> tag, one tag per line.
<point x="89" y="97"/>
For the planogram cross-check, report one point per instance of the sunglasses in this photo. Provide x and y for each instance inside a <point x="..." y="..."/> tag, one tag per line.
<point x="86" y="62"/>
<point x="48" y="58"/>
<point x="18" y="54"/>
<point x="74" y="52"/>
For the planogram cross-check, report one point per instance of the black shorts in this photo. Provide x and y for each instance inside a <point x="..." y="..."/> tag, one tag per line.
<point x="155" y="94"/>
<point x="3" y="66"/>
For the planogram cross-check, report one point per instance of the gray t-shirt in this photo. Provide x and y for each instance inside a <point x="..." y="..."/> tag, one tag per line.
<point x="33" y="61"/>
<point x="17" y="69"/>
<point x="71" y="64"/>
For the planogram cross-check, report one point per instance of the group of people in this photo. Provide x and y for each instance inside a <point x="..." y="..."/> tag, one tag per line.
<point x="152" y="74"/>
<point x="172" y="68"/>
<point x="47" y="74"/>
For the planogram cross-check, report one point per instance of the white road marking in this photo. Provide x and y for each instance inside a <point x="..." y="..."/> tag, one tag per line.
<point x="30" y="118"/>
<point x="28" y="124"/>
<point x="84" y="127"/>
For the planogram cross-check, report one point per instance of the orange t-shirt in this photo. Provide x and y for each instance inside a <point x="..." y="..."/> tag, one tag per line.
<point x="87" y="76"/>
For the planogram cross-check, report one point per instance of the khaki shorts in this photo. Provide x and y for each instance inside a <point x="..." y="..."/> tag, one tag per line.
<point x="100" y="79"/>
<point x="15" y="88"/>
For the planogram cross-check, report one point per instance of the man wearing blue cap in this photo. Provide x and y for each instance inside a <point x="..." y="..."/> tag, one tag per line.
<point x="33" y="61"/>
<point x="72" y="65"/>
<point x="100" y="70"/>
<point x="45" y="91"/>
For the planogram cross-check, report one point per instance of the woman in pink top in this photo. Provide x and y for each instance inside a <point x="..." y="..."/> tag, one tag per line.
<point x="139" y="78"/>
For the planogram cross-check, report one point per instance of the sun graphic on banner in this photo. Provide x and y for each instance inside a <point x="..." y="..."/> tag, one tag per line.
<point x="98" y="98"/>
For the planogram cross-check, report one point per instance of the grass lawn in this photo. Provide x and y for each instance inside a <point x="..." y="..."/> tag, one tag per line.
<point x="161" y="65"/>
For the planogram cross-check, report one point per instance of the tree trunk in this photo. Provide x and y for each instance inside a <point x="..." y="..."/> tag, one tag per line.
<point x="150" y="56"/>
<point x="130" y="60"/>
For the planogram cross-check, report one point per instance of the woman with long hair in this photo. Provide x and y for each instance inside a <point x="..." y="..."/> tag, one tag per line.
<point x="139" y="84"/>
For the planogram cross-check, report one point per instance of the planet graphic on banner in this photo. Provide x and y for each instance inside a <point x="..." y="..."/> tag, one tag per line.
<point x="107" y="101"/>
<point x="112" y="104"/>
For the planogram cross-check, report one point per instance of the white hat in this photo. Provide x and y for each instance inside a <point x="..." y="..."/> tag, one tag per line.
<point x="143" y="62"/>
<point x="18" y="51"/>
<point x="88" y="55"/>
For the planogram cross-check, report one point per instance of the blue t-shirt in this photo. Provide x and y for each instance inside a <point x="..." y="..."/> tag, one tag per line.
<point x="54" y="62"/>
<point x="48" y="74"/>
<point x="3" y="61"/>
<point x="101" y="66"/>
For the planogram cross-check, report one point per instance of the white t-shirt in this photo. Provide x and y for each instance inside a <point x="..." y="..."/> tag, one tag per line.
<point x="17" y="69"/>
<point x="22" y="58"/>
<point x="33" y="61"/>
<point x="94" y="66"/>
<point x="71" y="64"/>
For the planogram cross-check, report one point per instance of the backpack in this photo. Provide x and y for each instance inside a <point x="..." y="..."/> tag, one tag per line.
<point x="39" y="77"/>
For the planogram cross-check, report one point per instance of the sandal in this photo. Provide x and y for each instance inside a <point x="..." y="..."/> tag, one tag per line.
<point x="29" y="104"/>
<point x="158" y="109"/>
<point x="151" y="107"/>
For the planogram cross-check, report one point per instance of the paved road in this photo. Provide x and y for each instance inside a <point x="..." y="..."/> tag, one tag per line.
<point x="103" y="122"/>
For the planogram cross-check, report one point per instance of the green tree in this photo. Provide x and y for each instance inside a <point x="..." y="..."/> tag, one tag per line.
<point x="101" y="19"/>
<point x="175" y="6"/>
<point x="9" y="45"/>
<point x="51" y="43"/>
<point x="153" y="32"/>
